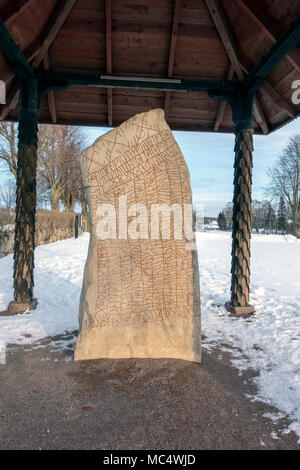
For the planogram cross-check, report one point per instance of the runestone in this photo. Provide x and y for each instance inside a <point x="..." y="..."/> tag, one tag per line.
<point x="140" y="296"/>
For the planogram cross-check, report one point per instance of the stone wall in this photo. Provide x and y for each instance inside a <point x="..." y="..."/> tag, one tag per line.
<point x="51" y="226"/>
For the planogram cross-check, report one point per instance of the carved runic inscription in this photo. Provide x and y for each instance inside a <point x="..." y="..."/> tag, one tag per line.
<point x="140" y="294"/>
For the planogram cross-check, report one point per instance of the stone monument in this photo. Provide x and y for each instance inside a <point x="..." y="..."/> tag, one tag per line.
<point x="140" y="294"/>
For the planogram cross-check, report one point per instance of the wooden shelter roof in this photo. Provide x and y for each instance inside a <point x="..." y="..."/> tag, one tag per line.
<point x="175" y="39"/>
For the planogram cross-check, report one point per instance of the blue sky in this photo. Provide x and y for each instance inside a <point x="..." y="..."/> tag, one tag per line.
<point x="210" y="157"/>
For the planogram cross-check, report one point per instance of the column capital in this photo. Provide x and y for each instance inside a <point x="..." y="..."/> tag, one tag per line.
<point x="241" y="100"/>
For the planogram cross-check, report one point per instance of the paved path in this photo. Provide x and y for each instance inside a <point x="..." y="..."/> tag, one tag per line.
<point x="49" y="402"/>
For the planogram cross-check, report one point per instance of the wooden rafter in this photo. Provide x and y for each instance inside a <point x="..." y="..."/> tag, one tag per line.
<point x="56" y="22"/>
<point x="285" y="43"/>
<point x="223" y="28"/>
<point x="268" y="90"/>
<point x="259" y="115"/>
<point x="275" y="97"/>
<point x="174" y="33"/>
<point x="13" y="97"/>
<point x="14" y="9"/>
<point x="51" y="96"/>
<point x="39" y="49"/>
<point x="108" y="59"/>
<point x="269" y="27"/>
<point x="223" y="104"/>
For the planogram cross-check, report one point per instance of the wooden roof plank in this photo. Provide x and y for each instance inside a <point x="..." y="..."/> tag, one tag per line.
<point x="268" y="90"/>
<point x="223" y="104"/>
<point x="14" y="9"/>
<point x="146" y="44"/>
<point x="269" y="27"/>
<point x="222" y="25"/>
<point x="51" y="96"/>
<point x="108" y="59"/>
<point x="56" y="22"/>
<point x="176" y="14"/>
<point x="260" y="115"/>
<point x="13" y="97"/>
<point x="286" y="42"/>
<point x="174" y="33"/>
<point x="225" y="34"/>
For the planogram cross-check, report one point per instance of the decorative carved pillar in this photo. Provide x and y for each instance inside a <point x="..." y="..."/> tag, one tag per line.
<point x="242" y="113"/>
<point x="241" y="102"/>
<point x="26" y="198"/>
<point x="241" y="222"/>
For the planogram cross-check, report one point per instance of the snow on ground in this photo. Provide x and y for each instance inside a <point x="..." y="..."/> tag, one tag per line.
<point x="58" y="278"/>
<point x="268" y="342"/>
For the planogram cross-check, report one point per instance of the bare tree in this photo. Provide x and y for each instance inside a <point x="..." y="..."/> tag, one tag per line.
<point x="8" y="145"/>
<point x="285" y="180"/>
<point x="8" y="194"/>
<point x="261" y="215"/>
<point x="72" y="191"/>
<point x="58" y="169"/>
<point x="7" y="200"/>
<point x="58" y="165"/>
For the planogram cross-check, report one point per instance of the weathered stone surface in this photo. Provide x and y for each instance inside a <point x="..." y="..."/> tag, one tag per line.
<point x="140" y="297"/>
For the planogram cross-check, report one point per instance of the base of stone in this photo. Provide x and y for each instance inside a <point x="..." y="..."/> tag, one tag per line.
<point x="239" y="311"/>
<point x="14" y="308"/>
<point x="176" y="338"/>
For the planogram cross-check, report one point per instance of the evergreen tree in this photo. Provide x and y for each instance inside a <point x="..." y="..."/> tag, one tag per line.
<point x="222" y="221"/>
<point x="282" y="215"/>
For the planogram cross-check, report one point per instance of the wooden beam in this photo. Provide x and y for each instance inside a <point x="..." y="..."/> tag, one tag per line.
<point x="259" y="115"/>
<point x="270" y="28"/>
<point x="223" y="104"/>
<point x="51" y="96"/>
<point x="8" y="73"/>
<point x="56" y="22"/>
<point x="39" y="49"/>
<point x="230" y="46"/>
<point x="269" y="91"/>
<point x="72" y="77"/>
<point x="108" y="59"/>
<point x="174" y="33"/>
<point x="14" y="9"/>
<point x="108" y="36"/>
<point x="13" y="53"/>
<point x="280" y="103"/>
<point x="109" y="108"/>
<point x="287" y="41"/>
<point x="221" y="23"/>
<point x="13" y="97"/>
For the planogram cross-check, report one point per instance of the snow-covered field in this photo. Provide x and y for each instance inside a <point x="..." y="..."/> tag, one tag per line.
<point x="269" y="341"/>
